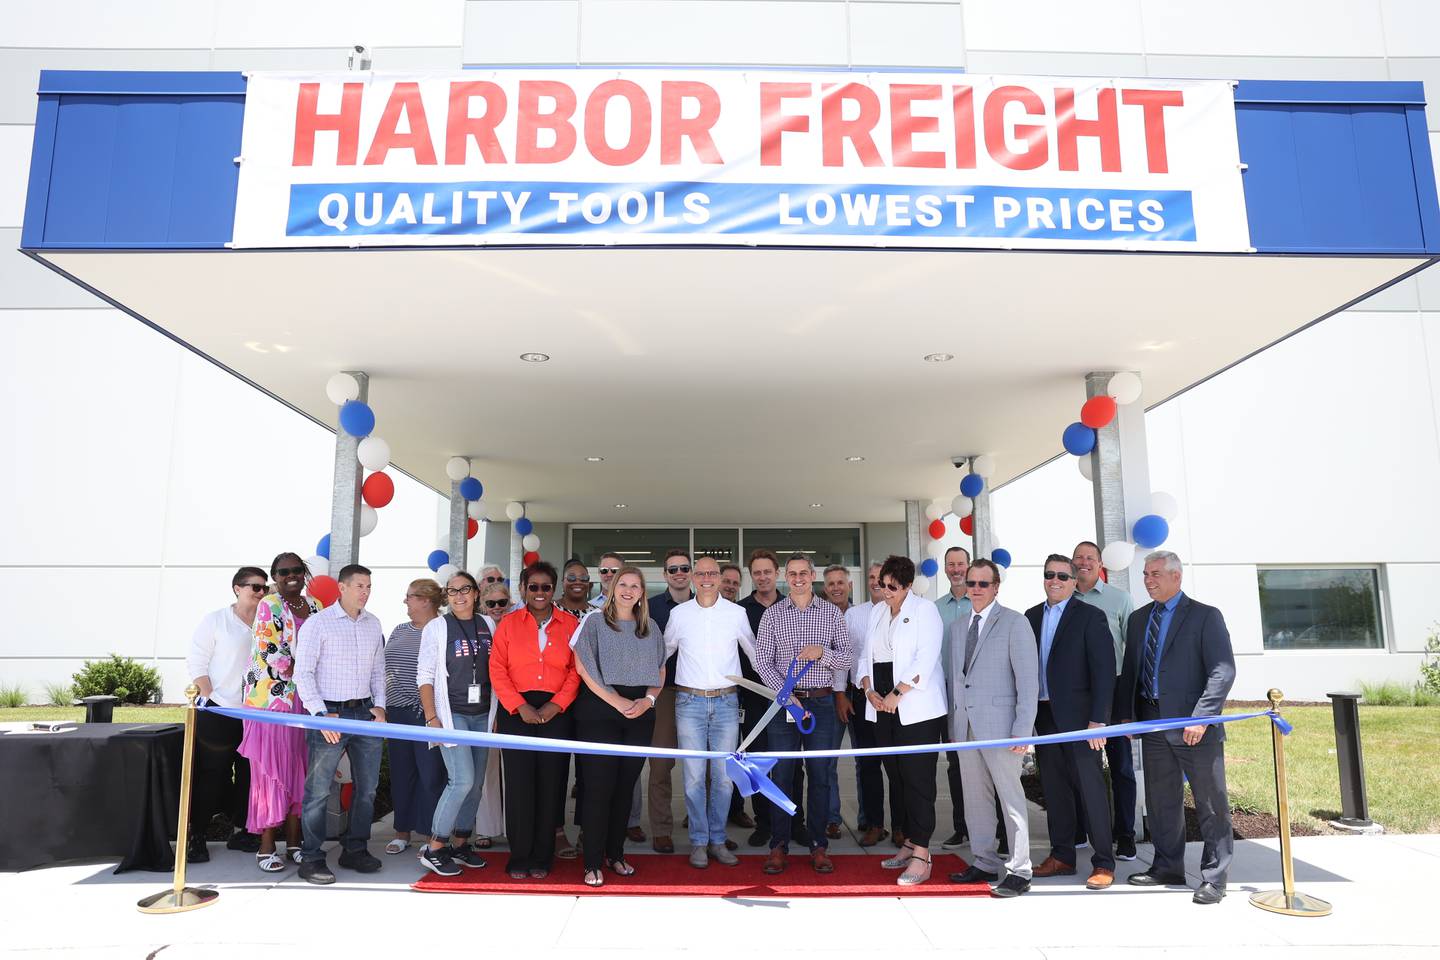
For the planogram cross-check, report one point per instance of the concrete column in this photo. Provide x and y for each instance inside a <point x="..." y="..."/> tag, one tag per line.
<point x="517" y="563"/>
<point x="1121" y="469"/>
<point x="916" y="535"/>
<point x="345" y="494"/>
<point x="456" y="528"/>
<point x="983" y="539"/>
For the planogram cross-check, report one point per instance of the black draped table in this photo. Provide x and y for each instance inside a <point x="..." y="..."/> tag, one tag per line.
<point x="96" y="791"/>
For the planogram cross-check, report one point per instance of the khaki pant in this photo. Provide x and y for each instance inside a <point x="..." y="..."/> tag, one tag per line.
<point x="662" y="821"/>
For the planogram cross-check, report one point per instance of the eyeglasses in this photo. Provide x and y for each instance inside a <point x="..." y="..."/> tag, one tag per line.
<point x="706" y="574"/>
<point x="892" y="587"/>
<point x="609" y="571"/>
<point x="289" y="571"/>
<point x="495" y="604"/>
<point x="678" y="568"/>
<point x="257" y="587"/>
<point x="459" y="591"/>
<point x="572" y="578"/>
<point x="1062" y="577"/>
<point x="982" y="584"/>
<point x="415" y="596"/>
<point x="491" y="579"/>
<point x="540" y="587"/>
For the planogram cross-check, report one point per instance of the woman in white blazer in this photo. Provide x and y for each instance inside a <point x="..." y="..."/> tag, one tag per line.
<point x="899" y="670"/>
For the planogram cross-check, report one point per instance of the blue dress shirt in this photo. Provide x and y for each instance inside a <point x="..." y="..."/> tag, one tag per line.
<point x="1049" y="620"/>
<point x="1166" y="615"/>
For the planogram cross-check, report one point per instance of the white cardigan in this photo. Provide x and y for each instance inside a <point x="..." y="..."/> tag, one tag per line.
<point x="431" y="669"/>
<point x="915" y="644"/>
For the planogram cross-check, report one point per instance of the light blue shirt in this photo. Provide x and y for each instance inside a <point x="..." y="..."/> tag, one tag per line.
<point x="1117" y="607"/>
<point x="1049" y="621"/>
<point x="951" y="609"/>
<point x="1167" y="614"/>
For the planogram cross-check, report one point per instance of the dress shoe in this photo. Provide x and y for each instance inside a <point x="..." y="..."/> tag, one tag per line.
<point x="1053" y="867"/>
<point x="1208" y="893"/>
<point x="758" y="839"/>
<point x="1149" y="878"/>
<point x="1101" y="878"/>
<point x="873" y="836"/>
<point x="361" y="861"/>
<point x="721" y="854"/>
<point x="832" y="831"/>
<point x="196" y="851"/>
<point x="742" y="819"/>
<point x="777" y="861"/>
<point x="317" y="872"/>
<point x="955" y="840"/>
<point x="699" y="859"/>
<point x="973" y="874"/>
<point x="1125" y="849"/>
<point x="635" y="835"/>
<point x="820" y="860"/>
<point x="731" y="844"/>
<point x="244" y="841"/>
<point x="1011" y="886"/>
<point x="662" y="845"/>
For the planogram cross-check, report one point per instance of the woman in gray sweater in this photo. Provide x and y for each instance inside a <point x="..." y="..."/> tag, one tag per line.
<point x="620" y="656"/>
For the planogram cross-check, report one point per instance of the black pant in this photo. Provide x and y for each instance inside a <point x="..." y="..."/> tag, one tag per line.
<point x="1072" y="779"/>
<point x="755" y="706"/>
<point x="220" y="782"/>
<point x="531" y="792"/>
<point x="952" y="778"/>
<point x="604" y="807"/>
<point x="915" y="773"/>
<point x="872" y="780"/>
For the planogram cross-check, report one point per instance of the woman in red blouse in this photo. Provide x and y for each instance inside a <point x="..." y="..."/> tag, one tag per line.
<point x="532" y="672"/>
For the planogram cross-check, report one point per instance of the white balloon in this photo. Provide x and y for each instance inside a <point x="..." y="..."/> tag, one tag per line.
<point x="475" y="509"/>
<point x="342" y="388"/>
<point x="531" y="542"/>
<point x="443" y="543"/>
<point x="962" y="506"/>
<point x="457" y="468"/>
<point x="1164" y="505"/>
<point x="1085" y="469"/>
<point x="369" y="516"/>
<point x="937" y="550"/>
<point x="1124" y="387"/>
<point x="318" y="565"/>
<point x="373" y="453"/>
<point x="983" y="465"/>
<point x="1118" y="555"/>
<point x="514" y="510"/>
<point x="921" y="586"/>
<point x="446" y="571"/>
<point x="934" y="510"/>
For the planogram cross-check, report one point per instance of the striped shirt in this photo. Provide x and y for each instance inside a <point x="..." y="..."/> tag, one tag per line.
<point x="337" y="658"/>
<point x="785" y="629"/>
<point x="402" y="656"/>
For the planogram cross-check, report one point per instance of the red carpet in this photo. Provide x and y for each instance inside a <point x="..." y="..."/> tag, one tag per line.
<point x="856" y="875"/>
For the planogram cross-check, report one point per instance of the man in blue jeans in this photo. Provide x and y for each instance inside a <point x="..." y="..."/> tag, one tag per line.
<point x="803" y="629"/>
<point x="340" y="673"/>
<point x="709" y="632"/>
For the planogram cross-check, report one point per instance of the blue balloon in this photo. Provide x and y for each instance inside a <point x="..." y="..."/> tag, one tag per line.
<point x="971" y="484"/>
<point x="1151" y="530"/>
<point x="929" y="567"/>
<point x="524" y="527"/>
<point x="437" y="559"/>
<point x="471" y="489"/>
<point x="1001" y="556"/>
<point x="1078" y="439"/>
<point x="322" y="548"/>
<point x="357" y="419"/>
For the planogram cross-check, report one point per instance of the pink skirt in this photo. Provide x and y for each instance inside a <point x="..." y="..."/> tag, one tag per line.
<point x="278" y="760"/>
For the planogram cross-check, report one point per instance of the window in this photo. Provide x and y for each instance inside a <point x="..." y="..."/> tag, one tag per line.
<point x="823" y="545"/>
<point x="641" y="546"/>
<point x="1320" y="609"/>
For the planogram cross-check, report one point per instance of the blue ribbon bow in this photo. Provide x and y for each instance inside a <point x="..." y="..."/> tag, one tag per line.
<point x="803" y="718"/>
<point x="751" y="775"/>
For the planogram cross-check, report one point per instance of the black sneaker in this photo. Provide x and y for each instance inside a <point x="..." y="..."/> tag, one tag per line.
<point x="956" y="839"/>
<point x="360" y="861"/>
<point x="316" y="871"/>
<point x="1011" y="886"/>
<point x="244" y="841"/>
<point x="196" y="851"/>
<point x="1124" y="849"/>
<point x="467" y="857"/>
<point x="440" y="861"/>
<point x="760" y="838"/>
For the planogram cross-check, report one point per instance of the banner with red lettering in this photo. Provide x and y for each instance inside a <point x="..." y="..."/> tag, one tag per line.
<point x="675" y="156"/>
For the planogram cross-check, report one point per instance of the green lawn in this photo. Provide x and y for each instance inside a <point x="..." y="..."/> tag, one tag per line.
<point x="157" y="714"/>
<point x="1401" y="771"/>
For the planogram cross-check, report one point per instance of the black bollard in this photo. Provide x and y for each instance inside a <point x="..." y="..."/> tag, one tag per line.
<point x="1354" y="807"/>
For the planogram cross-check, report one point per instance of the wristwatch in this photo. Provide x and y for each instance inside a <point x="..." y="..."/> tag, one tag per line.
<point x="651" y="699"/>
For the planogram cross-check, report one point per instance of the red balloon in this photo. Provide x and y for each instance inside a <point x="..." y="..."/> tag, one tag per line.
<point x="472" y="527"/>
<point x="1097" y="412"/>
<point x="967" y="525"/>
<point x="530" y="557"/>
<point x="324" y="589"/>
<point x="937" y="529"/>
<point x="378" y="489"/>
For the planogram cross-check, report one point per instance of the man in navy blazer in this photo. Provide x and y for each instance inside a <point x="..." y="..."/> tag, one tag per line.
<point x="1178" y="663"/>
<point x="1077" y="687"/>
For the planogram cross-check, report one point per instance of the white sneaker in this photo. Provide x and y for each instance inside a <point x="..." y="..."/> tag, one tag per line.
<point x="699" y="859"/>
<point x="720" y="855"/>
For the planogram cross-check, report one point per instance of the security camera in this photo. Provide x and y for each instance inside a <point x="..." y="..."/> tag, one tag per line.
<point x="360" y="57"/>
<point x="960" y="463"/>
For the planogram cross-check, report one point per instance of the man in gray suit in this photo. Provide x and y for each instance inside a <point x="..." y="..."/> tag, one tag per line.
<point x="1178" y="663"/>
<point x="994" y="678"/>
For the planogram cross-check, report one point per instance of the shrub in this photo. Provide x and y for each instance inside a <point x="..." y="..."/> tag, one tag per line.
<point x="119" y="676"/>
<point x="1430" y="666"/>
<point x="59" y="694"/>
<point x="13" y="696"/>
<point x="1393" y="693"/>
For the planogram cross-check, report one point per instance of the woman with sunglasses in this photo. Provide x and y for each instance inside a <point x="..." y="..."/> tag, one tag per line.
<point x="620" y="656"/>
<point x="454" y="681"/>
<point x="490" y="817"/>
<point x="532" y="670"/>
<point x="492" y="574"/>
<point x="417" y="774"/>
<point x="899" y="670"/>
<point x="277" y="754"/>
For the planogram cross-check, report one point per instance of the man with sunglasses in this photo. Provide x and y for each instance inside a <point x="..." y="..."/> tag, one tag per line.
<point x="994" y="679"/>
<point x="610" y="564"/>
<point x="677" y="591"/>
<point x="1077" y="686"/>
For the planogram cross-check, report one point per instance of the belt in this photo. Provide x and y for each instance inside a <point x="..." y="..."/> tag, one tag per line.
<point x="358" y="703"/>
<point x="721" y="692"/>
<point x="812" y="692"/>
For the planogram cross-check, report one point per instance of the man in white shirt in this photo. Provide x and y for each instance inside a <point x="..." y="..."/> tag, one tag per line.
<point x="216" y="662"/>
<point x="708" y="632"/>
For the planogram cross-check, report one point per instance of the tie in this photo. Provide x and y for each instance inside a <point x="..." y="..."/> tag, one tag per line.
<point x="1152" y="649"/>
<point x="971" y="639"/>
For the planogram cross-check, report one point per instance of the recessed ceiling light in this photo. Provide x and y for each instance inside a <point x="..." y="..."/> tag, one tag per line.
<point x="817" y="504"/>
<point x="939" y="357"/>
<point x="594" y="459"/>
<point x="854" y="459"/>
<point x="621" y="506"/>
<point x="534" y="357"/>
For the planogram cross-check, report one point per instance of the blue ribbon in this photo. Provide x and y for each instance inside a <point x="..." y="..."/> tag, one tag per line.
<point x="751" y="775"/>
<point x="804" y="720"/>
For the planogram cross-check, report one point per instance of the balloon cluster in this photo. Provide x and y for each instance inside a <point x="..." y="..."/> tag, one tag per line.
<point x="472" y="490"/>
<point x="525" y="527"/>
<point x="962" y="506"/>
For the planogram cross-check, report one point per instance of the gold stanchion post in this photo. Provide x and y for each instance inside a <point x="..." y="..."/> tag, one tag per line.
<point x="180" y="898"/>
<point x="1285" y="900"/>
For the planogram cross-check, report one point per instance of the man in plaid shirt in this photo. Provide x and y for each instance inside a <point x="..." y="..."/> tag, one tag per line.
<point x="804" y="628"/>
